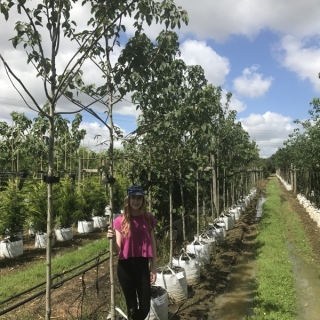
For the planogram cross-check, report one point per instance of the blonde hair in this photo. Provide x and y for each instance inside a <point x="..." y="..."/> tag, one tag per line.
<point x="125" y="224"/>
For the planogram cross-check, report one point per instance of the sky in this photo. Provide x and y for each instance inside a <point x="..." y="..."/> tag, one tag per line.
<point x="266" y="53"/>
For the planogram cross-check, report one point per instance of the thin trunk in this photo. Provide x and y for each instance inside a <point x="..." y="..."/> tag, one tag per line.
<point x="211" y="202"/>
<point x="149" y="179"/>
<point x="12" y="149"/>
<point x="171" y="226"/>
<point x="197" y="201"/>
<point x="49" y="214"/>
<point x="224" y="190"/>
<point x="112" y="282"/>
<point x="65" y="153"/>
<point x="214" y="185"/>
<point x="183" y="208"/>
<point x="79" y="173"/>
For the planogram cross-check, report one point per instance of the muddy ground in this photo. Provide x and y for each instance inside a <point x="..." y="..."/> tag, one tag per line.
<point x="215" y="277"/>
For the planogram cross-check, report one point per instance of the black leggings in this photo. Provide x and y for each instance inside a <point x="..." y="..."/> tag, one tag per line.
<point x="134" y="278"/>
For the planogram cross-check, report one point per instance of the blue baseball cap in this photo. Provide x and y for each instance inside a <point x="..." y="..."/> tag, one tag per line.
<point x="135" y="191"/>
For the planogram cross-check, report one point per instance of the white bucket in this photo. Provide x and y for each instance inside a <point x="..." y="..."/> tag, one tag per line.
<point x="158" y="304"/>
<point x="175" y="282"/>
<point x="11" y="249"/>
<point x="190" y="264"/>
<point x="64" y="234"/>
<point x="99" y="222"/>
<point x="85" y="226"/>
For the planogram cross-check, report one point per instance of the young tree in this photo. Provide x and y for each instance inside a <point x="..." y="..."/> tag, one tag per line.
<point x="52" y="20"/>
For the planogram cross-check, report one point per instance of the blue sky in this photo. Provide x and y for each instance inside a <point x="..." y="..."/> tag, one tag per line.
<point x="265" y="52"/>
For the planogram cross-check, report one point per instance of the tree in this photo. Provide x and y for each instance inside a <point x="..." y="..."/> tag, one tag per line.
<point x="105" y="23"/>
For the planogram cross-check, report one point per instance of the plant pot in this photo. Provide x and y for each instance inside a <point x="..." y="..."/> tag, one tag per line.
<point x="190" y="264"/>
<point x="11" y="248"/>
<point x="210" y="239"/>
<point x="201" y="250"/>
<point x="159" y="304"/>
<point x="228" y="220"/>
<point x="85" y="226"/>
<point x="174" y="281"/>
<point x="40" y="240"/>
<point x="99" y="222"/>
<point x="64" y="234"/>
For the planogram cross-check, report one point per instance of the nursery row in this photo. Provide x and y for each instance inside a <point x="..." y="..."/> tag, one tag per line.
<point x="184" y="270"/>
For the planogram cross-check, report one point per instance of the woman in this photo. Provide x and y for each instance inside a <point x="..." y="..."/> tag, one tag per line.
<point x="134" y="241"/>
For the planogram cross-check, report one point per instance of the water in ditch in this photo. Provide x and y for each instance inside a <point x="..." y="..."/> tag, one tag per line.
<point x="307" y="284"/>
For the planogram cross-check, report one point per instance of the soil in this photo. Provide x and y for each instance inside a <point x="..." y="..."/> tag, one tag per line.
<point x="215" y="277"/>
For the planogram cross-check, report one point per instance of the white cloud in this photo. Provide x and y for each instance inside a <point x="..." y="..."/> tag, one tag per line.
<point x="252" y="84"/>
<point x="303" y="61"/>
<point x="98" y="137"/>
<point x="215" y="66"/>
<point x="220" y="19"/>
<point x="269" y="130"/>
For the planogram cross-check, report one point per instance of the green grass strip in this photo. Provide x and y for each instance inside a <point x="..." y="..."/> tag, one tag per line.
<point x="275" y="296"/>
<point x="17" y="282"/>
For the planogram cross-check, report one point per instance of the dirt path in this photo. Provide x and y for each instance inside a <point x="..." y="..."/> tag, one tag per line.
<point x="228" y="269"/>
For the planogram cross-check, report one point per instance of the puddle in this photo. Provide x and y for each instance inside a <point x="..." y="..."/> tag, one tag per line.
<point x="308" y="288"/>
<point x="236" y="302"/>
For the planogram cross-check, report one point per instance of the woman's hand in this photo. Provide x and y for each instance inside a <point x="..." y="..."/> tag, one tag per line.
<point x="153" y="275"/>
<point x="110" y="233"/>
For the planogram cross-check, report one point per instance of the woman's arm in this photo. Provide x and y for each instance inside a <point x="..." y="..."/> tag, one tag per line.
<point x="153" y="271"/>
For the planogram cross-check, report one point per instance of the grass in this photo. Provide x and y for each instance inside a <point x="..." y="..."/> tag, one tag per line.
<point x="275" y="295"/>
<point x="20" y="281"/>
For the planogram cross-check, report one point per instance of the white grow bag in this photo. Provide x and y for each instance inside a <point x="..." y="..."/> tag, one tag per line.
<point x="40" y="240"/>
<point x="236" y="213"/>
<point x="11" y="249"/>
<point x="190" y="264"/>
<point x="228" y="220"/>
<point x="175" y="282"/>
<point x="217" y="231"/>
<point x="85" y="226"/>
<point x="99" y="222"/>
<point x="158" y="304"/>
<point x="201" y="250"/>
<point x="64" y="234"/>
<point x="210" y="239"/>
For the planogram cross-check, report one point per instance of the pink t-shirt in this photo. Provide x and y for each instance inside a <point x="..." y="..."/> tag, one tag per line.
<point x="138" y="243"/>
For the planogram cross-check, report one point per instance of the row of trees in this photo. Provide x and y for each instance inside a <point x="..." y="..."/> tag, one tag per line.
<point x="188" y="146"/>
<point x="25" y="208"/>
<point x="298" y="161"/>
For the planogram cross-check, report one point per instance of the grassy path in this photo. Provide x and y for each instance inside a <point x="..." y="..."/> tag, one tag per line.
<point x="279" y="231"/>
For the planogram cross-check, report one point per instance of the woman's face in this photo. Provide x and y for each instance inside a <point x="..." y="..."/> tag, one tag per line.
<point x="135" y="202"/>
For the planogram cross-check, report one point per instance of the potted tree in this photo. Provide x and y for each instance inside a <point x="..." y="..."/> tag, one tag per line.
<point x="12" y="219"/>
<point x="68" y="205"/>
<point x="95" y="201"/>
<point x="36" y="207"/>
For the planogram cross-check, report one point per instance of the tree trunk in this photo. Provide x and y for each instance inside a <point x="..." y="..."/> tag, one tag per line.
<point x="112" y="284"/>
<point x="183" y="209"/>
<point x="171" y="226"/>
<point x="214" y="185"/>
<point x="197" y="201"/>
<point x="49" y="214"/>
